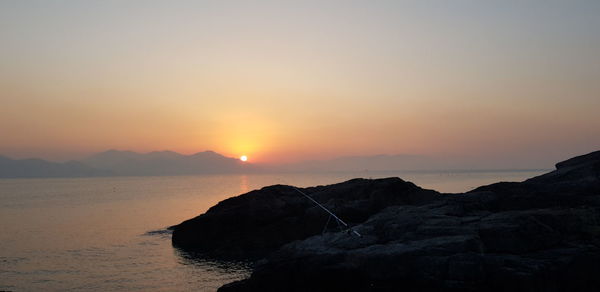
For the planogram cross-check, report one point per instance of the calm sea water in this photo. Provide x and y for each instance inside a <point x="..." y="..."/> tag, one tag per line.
<point x="107" y="234"/>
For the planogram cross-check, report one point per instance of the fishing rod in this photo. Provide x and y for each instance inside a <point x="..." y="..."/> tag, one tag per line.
<point x="339" y="221"/>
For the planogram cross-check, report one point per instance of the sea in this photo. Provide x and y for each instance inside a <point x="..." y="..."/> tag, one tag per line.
<point x="109" y="233"/>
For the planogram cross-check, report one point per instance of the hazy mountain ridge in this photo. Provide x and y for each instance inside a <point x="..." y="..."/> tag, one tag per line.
<point x="124" y="163"/>
<point x="381" y="162"/>
<point x="157" y="163"/>
<point x="33" y="167"/>
<point x="165" y="163"/>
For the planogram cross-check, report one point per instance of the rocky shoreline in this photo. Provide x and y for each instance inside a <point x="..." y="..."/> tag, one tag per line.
<point x="542" y="234"/>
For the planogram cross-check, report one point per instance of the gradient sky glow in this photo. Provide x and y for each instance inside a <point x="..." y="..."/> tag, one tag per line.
<point x="509" y="83"/>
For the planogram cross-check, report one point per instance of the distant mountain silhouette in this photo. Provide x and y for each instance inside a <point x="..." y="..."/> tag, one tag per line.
<point x="372" y="163"/>
<point x="129" y="163"/>
<point x="30" y="168"/>
<point x="165" y="163"/>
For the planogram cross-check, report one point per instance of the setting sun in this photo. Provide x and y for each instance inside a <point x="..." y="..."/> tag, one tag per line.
<point x="464" y="123"/>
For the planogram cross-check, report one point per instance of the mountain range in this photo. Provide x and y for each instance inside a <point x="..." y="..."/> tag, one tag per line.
<point x="124" y="163"/>
<point x="157" y="163"/>
<point x="11" y="168"/>
<point x="366" y="163"/>
<point x="165" y="163"/>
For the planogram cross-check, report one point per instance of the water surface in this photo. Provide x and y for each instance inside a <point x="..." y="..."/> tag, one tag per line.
<point x="107" y="234"/>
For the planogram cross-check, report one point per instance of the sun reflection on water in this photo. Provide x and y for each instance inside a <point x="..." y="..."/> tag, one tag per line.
<point x="244" y="184"/>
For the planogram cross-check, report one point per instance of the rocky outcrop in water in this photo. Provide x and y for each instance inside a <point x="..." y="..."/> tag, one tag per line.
<point x="259" y="222"/>
<point x="542" y="234"/>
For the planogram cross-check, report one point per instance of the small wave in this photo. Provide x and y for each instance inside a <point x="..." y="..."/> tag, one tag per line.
<point x="160" y="232"/>
<point x="12" y="260"/>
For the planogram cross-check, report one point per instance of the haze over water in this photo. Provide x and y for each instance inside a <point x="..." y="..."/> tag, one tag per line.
<point x="279" y="84"/>
<point x="107" y="234"/>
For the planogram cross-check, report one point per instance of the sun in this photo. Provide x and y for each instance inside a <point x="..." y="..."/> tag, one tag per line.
<point x="244" y="158"/>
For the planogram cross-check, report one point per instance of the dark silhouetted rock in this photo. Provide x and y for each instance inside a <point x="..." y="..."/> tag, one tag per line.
<point x="253" y="224"/>
<point x="542" y="234"/>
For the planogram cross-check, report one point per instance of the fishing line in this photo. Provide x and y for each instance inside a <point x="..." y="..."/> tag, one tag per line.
<point x="339" y="221"/>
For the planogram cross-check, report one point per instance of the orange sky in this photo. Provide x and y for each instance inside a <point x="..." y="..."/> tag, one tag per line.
<point x="285" y="82"/>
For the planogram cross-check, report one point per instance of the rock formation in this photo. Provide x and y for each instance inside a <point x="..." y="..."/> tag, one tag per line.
<point x="542" y="234"/>
<point x="259" y="222"/>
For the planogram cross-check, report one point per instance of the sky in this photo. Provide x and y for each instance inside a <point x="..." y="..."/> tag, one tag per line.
<point x="505" y="83"/>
